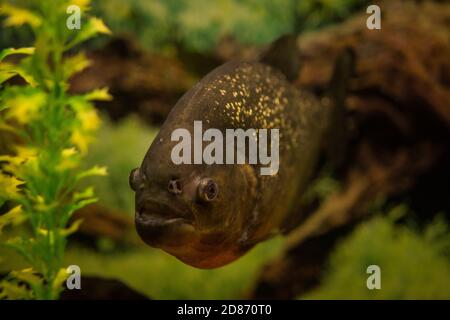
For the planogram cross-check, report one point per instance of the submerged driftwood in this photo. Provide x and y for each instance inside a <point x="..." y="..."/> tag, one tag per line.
<point x="399" y="106"/>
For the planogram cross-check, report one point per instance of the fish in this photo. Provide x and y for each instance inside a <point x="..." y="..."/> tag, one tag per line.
<point x="209" y="215"/>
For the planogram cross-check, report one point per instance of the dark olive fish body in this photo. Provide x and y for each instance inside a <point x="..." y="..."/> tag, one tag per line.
<point x="210" y="215"/>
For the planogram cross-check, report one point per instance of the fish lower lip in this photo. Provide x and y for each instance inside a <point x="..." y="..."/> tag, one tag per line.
<point x="161" y="232"/>
<point x="157" y="212"/>
<point x="156" y="221"/>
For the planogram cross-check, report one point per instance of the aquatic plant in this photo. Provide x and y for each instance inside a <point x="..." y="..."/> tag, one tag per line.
<point x="414" y="264"/>
<point x="164" y="24"/>
<point x="169" y="278"/>
<point x="51" y="129"/>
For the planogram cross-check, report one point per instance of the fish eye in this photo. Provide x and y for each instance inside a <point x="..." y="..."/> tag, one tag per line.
<point x="208" y="190"/>
<point x="132" y="178"/>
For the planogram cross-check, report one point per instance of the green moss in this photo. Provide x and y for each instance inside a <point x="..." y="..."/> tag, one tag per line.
<point x="161" y="276"/>
<point x="413" y="265"/>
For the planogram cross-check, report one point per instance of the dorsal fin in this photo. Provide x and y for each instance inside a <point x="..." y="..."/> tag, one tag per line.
<point x="344" y="67"/>
<point x="338" y="131"/>
<point x="283" y="54"/>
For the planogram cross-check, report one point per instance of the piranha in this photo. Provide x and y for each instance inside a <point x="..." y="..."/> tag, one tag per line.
<point x="210" y="215"/>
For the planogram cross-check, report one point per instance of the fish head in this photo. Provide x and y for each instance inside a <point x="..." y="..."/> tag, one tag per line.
<point x="198" y="213"/>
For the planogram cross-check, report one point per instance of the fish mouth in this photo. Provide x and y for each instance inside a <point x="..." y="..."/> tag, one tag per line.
<point x="161" y="225"/>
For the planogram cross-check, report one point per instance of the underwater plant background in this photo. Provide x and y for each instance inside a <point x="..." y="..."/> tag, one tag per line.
<point x="53" y="134"/>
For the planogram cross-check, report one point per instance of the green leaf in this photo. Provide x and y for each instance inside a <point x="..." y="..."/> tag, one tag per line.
<point x="18" y="16"/>
<point x="8" y="71"/>
<point x="72" y="229"/>
<point x="98" y="94"/>
<point x="86" y="193"/>
<point x="61" y="276"/>
<point x="28" y="276"/>
<point x="81" y="204"/>
<point x="25" y="103"/>
<point x="93" y="27"/>
<point x="83" y="4"/>
<point x="75" y="64"/>
<point x="13" y="217"/>
<point x="9" y="186"/>
<point x="94" y="171"/>
<point x="9" y="51"/>
<point x="20" y="245"/>
<point x="6" y="75"/>
<point x="13" y="291"/>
